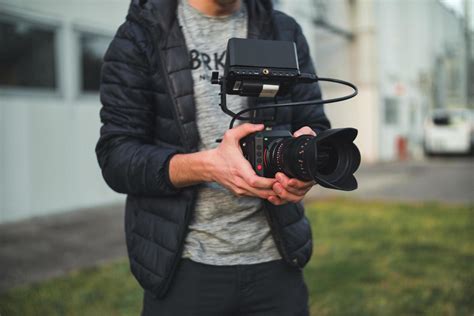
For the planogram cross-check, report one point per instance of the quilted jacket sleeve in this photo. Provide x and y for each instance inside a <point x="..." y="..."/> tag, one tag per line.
<point x="129" y="160"/>
<point x="312" y="116"/>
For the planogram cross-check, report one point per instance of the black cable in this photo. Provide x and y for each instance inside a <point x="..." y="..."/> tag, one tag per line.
<point x="301" y="103"/>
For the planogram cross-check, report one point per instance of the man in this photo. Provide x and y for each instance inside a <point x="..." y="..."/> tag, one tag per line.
<point x="205" y="235"/>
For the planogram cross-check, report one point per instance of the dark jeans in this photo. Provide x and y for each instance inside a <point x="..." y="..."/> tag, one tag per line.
<point x="270" y="288"/>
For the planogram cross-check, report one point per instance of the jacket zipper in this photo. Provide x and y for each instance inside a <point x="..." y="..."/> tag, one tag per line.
<point x="154" y="42"/>
<point x="187" y="214"/>
<point x="175" y="106"/>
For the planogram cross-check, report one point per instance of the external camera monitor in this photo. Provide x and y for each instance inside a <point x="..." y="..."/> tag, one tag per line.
<point x="260" y="68"/>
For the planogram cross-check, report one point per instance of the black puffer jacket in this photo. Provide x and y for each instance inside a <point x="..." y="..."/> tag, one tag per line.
<point x="148" y="115"/>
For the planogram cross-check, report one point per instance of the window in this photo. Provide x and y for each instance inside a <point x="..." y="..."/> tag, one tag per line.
<point x="391" y="111"/>
<point x="27" y="55"/>
<point x="93" y="48"/>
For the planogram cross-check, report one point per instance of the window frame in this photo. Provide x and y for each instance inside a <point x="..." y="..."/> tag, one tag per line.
<point x="78" y="30"/>
<point x="44" y="23"/>
<point x="393" y="109"/>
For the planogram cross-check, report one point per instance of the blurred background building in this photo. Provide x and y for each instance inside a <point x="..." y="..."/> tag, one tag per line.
<point x="50" y="58"/>
<point x="407" y="57"/>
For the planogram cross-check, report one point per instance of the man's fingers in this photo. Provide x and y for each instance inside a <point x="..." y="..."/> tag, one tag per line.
<point x="249" y="175"/>
<point x="305" y="130"/>
<point x="259" y="182"/>
<point x="294" y="185"/>
<point x="246" y="189"/>
<point x="285" y="195"/>
<point x="243" y="130"/>
<point x="301" y="185"/>
<point x="284" y="181"/>
<point x="263" y="194"/>
<point x="282" y="178"/>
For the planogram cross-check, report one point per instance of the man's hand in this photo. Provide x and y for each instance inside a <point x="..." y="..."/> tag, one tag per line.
<point x="225" y="165"/>
<point x="230" y="168"/>
<point x="291" y="190"/>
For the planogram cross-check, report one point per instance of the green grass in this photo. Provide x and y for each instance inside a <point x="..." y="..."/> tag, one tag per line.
<point x="370" y="258"/>
<point x="382" y="258"/>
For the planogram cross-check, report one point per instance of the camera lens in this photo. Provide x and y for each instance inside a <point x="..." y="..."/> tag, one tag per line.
<point x="287" y="155"/>
<point x="331" y="159"/>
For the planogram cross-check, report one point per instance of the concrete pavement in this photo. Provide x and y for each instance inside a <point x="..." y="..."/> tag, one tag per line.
<point x="446" y="179"/>
<point x="41" y="248"/>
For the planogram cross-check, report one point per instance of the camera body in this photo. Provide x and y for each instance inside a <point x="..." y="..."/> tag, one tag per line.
<point x="329" y="158"/>
<point x="255" y="149"/>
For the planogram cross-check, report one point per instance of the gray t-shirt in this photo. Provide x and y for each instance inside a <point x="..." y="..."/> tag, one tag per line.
<point x="226" y="230"/>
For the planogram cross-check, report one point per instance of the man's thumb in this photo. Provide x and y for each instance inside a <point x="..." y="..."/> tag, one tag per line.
<point x="245" y="129"/>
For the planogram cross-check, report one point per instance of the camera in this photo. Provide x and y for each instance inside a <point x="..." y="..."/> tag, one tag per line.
<point x="267" y="69"/>
<point x="330" y="158"/>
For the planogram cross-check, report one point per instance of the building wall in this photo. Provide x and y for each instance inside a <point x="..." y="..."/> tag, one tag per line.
<point x="406" y="57"/>
<point x="335" y="55"/>
<point x="47" y="138"/>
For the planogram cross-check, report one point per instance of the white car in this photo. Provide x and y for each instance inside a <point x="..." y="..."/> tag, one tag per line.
<point x="449" y="131"/>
